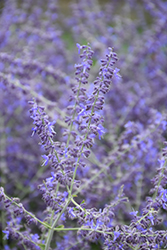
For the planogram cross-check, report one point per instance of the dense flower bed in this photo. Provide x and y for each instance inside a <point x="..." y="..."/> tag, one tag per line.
<point x="83" y="97"/>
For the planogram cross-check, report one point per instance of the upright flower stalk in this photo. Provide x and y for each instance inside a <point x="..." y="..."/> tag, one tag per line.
<point x="83" y="116"/>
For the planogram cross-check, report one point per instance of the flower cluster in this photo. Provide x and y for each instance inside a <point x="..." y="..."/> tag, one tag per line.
<point x="90" y="173"/>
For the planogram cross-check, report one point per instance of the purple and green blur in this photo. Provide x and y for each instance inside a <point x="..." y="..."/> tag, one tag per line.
<point x="83" y="125"/>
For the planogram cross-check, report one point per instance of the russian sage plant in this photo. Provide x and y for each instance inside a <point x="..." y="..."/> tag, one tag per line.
<point x="83" y="134"/>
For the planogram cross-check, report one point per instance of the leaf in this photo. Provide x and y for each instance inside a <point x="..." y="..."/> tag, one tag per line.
<point x="75" y="209"/>
<point x="60" y="226"/>
<point x="42" y="246"/>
